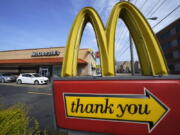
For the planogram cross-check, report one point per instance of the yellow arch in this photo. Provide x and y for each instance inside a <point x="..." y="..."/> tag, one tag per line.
<point x="70" y="60"/>
<point x="151" y="59"/>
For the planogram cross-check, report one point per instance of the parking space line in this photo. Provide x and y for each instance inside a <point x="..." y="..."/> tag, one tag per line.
<point x="40" y="93"/>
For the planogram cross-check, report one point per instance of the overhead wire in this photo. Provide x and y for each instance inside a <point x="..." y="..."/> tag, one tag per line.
<point x="166" y="16"/>
<point x="122" y="31"/>
<point x="127" y="48"/>
<point x="152" y="9"/>
<point x="122" y="40"/>
<point x="160" y="5"/>
<point x="150" y="13"/>
<point x="123" y="35"/>
<point x="124" y="50"/>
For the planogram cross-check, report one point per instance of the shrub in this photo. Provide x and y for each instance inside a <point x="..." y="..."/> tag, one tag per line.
<point x="14" y="120"/>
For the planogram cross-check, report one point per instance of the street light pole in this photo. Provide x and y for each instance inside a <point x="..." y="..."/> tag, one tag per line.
<point x="131" y="53"/>
<point x="131" y="47"/>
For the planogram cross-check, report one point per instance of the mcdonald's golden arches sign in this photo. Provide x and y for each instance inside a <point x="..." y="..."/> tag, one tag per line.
<point x="116" y="105"/>
<point x="148" y="49"/>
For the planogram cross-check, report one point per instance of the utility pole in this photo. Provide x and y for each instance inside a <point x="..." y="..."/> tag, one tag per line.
<point x="131" y="47"/>
<point x="131" y="53"/>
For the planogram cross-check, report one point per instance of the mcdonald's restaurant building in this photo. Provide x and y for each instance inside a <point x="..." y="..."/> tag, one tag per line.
<point x="45" y="61"/>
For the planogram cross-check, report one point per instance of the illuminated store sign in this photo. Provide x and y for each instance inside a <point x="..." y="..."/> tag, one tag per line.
<point x="50" y="53"/>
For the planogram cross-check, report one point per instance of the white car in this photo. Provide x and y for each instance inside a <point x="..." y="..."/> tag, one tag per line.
<point x="32" y="78"/>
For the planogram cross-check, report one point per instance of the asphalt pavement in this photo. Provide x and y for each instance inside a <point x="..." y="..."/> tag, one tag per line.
<point x="39" y="100"/>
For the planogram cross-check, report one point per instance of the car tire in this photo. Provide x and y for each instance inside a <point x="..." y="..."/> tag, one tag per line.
<point x="36" y="82"/>
<point x="19" y="82"/>
<point x="2" y="81"/>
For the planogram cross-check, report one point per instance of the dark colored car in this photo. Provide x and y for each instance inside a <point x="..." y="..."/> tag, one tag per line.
<point x="7" y="77"/>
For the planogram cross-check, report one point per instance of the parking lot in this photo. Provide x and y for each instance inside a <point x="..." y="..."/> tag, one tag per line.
<point x="14" y="84"/>
<point x="39" y="100"/>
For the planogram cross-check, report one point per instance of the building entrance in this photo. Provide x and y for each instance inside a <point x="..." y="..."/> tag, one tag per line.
<point x="44" y="71"/>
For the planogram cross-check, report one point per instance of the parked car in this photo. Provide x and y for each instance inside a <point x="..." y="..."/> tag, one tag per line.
<point x="7" y="77"/>
<point x="32" y="78"/>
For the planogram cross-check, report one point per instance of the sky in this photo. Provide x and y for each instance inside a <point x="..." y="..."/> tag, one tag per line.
<point x="26" y="24"/>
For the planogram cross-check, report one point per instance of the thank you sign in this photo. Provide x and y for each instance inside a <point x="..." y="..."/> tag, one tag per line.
<point x="125" y="108"/>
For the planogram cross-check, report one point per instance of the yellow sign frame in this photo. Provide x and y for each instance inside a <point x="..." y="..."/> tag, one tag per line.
<point x="149" y="52"/>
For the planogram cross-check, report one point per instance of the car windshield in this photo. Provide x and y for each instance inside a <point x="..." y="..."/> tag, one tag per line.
<point x="37" y="75"/>
<point x="6" y="74"/>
